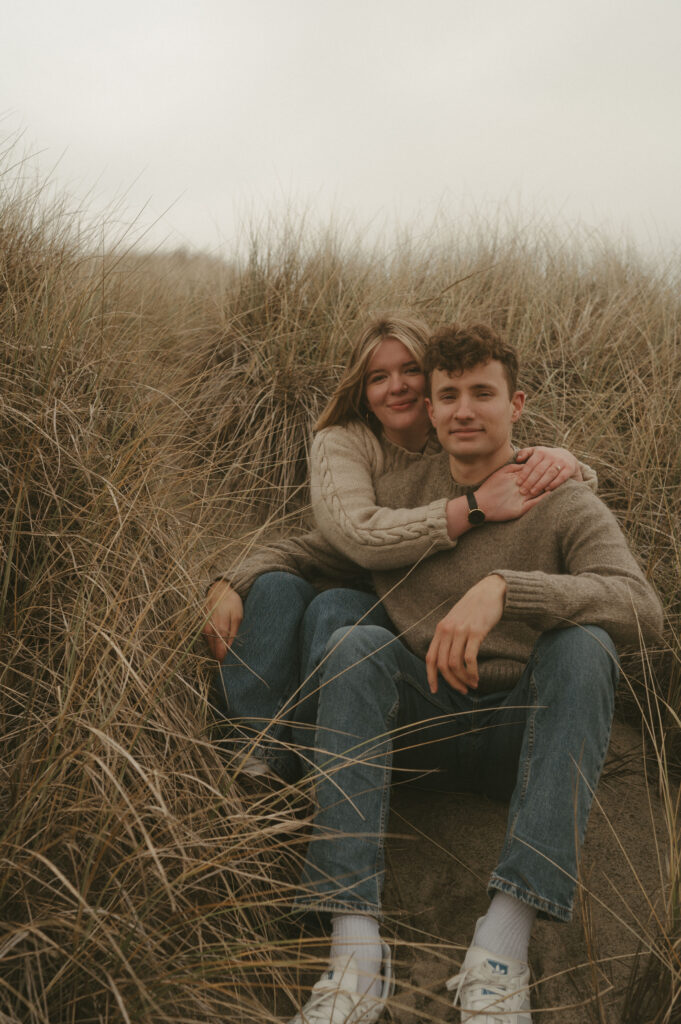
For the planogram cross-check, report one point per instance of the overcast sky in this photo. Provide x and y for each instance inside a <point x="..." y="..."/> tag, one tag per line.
<point x="203" y="114"/>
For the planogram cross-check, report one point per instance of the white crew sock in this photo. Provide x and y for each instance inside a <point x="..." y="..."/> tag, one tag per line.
<point x="506" y="927"/>
<point x="359" y="935"/>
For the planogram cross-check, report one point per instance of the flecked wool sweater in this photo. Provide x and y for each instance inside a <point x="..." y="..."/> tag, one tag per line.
<point x="564" y="562"/>
<point x="345" y="463"/>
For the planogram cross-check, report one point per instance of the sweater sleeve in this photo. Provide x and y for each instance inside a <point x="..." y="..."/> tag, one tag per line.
<point x="602" y="584"/>
<point x="309" y="556"/>
<point x="343" y="467"/>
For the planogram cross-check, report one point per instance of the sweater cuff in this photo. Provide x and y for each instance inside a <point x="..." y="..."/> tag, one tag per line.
<point x="527" y="593"/>
<point x="437" y="524"/>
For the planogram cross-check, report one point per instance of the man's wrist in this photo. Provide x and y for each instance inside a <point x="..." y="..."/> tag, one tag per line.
<point x="499" y="582"/>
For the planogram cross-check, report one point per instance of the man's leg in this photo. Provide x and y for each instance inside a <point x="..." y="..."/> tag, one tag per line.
<point x="262" y="668"/>
<point x="549" y="736"/>
<point x="569" y="690"/>
<point x="373" y="702"/>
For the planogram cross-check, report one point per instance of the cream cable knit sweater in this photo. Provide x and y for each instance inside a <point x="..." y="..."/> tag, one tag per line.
<point x="345" y="463"/>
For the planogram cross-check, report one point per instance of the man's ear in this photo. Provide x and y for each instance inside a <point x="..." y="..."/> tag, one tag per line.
<point x="429" y="409"/>
<point x="518" y="402"/>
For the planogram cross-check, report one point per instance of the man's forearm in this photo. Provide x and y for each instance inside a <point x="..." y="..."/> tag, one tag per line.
<point x="603" y="584"/>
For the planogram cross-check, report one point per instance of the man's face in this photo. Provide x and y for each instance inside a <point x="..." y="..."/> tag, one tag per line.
<point x="473" y="413"/>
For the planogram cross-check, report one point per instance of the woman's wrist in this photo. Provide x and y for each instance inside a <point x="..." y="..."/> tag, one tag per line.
<point x="457" y="517"/>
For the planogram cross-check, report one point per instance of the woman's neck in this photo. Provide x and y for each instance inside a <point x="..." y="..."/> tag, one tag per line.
<point x="414" y="439"/>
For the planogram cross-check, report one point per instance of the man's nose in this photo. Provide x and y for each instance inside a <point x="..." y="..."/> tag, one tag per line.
<point x="463" y="409"/>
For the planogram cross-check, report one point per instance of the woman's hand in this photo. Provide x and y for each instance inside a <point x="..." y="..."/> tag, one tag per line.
<point x="545" y="469"/>
<point x="224" y="613"/>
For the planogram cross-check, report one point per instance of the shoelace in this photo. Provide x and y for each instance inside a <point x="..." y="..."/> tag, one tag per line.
<point x="510" y="997"/>
<point x="318" y="1011"/>
<point x="343" y="1005"/>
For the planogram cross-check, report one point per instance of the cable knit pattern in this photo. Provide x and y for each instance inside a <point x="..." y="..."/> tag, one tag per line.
<point x="345" y="463"/>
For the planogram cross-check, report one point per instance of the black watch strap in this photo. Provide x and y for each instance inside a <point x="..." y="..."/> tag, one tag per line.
<point x="476" y="517"/>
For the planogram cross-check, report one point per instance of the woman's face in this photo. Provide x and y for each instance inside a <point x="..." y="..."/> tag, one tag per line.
<point x="394" y="390"/>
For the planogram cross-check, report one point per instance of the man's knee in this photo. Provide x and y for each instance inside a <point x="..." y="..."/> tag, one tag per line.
<point x="582" y="659"/>
<point x="359" y="657"/>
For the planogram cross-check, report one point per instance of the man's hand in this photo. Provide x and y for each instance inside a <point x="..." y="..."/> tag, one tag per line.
<point x="224" y="612"/>
<point x="454" y="648"/>
<point x="545" y="469"/>
<point x="501" y="497"/>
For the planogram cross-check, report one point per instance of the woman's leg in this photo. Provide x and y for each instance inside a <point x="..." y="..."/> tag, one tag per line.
<point x="329" y="611"/>
<point x="262" y="669"/>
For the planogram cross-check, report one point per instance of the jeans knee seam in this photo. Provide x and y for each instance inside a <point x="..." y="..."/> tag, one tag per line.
<point x="380" y="846"/>
<point x="525" y="779"/>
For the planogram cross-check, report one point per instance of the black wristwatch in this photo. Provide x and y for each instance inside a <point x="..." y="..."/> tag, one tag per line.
<point x="476" y="516"/>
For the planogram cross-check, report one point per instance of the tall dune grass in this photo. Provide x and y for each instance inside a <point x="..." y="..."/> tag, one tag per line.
<point x="155" y="416"/>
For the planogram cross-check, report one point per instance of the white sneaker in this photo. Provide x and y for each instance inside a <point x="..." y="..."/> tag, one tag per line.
<point x="335" y="999"/>
<point x="257" y="769"/>
<point x="492" y="989"/>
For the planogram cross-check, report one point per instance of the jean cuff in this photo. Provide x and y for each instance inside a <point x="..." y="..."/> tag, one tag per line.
<point x="547" y="909"/>
<point x="326" y="905"/>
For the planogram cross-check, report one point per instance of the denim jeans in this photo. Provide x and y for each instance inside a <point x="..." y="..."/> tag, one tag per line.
<point x="267" y="685"/>
<point x="541" y="745"/>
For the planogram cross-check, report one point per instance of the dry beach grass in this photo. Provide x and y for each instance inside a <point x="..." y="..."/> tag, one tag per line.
<point x="155" y="415"/>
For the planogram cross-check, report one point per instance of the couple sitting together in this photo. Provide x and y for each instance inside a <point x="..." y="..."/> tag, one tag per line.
<point x="455" y="615"/>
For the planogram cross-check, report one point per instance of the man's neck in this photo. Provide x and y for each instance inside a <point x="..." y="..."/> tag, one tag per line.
<point x="467" y="473"/>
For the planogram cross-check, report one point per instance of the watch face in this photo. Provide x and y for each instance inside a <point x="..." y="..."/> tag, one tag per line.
<point x="476" y="517"/>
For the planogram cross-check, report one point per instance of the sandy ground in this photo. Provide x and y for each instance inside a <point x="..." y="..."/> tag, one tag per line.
<point x="440" y="855"/>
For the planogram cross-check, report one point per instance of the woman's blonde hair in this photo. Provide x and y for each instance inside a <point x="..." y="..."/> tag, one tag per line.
<point x="348" y="403"/>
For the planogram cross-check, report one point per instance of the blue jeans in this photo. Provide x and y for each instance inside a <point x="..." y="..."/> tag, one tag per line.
<point x="542" y="745"/>
<point x="267" y="685"/>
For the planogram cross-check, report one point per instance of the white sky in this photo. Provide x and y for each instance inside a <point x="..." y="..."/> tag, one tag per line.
<point x="202" y="114"/>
